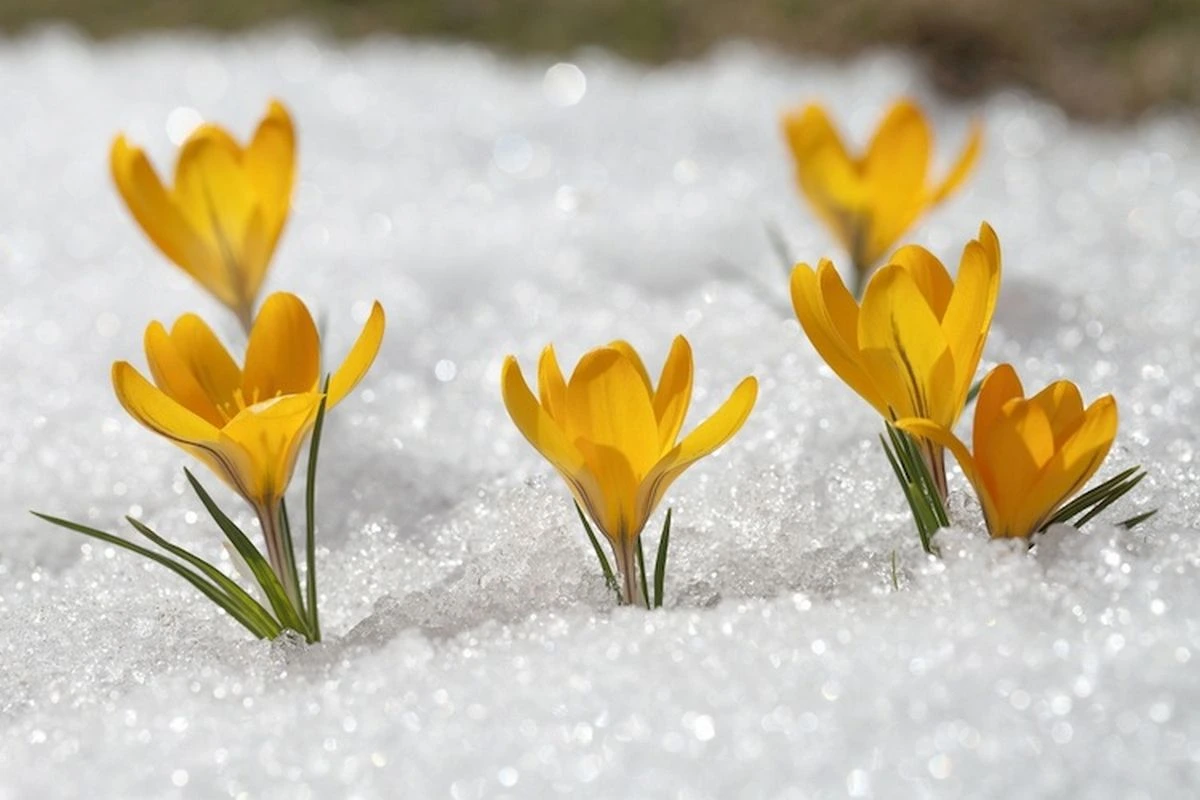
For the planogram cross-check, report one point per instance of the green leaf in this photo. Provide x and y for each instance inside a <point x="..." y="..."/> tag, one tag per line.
<point x="1116" y="494"/>
<point x="929" y="515"/>
<point x="641" y="559"/>
<point x="1134" y="521"/>
<point x="263" y="573"/>
<point x="1089" y="498"/>
<point x="289" y="558"/>
<point x="973" y="392"/>
<point x="208" y="590"/>
<point x="310" y="516"/>
<point x="609" y="577"/>
<point x="251" y="607"/>
<point x="660" y="562"/>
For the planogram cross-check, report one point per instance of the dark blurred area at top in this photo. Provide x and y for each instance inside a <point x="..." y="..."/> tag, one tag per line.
<point x="1097" y="58"/>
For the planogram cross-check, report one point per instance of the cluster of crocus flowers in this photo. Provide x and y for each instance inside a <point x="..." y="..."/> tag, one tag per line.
<point x="222" y="218"/>
<point x="868" y="201"/>
<point x="912" y="349"/>
<point x="248" y="423"/>
<point x="613" y="436"/>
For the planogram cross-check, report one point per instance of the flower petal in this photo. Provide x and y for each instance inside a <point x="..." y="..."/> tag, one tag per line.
<point x="674" y="393"/>
<point x="706" y="438"/>
<point x="173" y="375"/>
<point x="626" y="349"/>
<point x="968" y="316"/>
<point x="928" y="273"/>
<point x="155" y="211"/>
<point x="208" y="360"/>
<point x="359" y="359"/>
<point x="894" y="172"/>
<point x="284" y="352"/>
<point x="962" y="168"/>
<point x="608" y="404"/>
<point x="552" y="388"/>
<point x="534" y="423"/>
<point x="904" y="349"/>
<point x="829" y="316"/>
<point x="828" y="176"/>
<point x="270" y="434"/>
<point x="270" y="164"/>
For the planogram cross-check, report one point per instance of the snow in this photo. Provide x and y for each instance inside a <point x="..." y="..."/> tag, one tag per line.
<point x="496" y="205"/>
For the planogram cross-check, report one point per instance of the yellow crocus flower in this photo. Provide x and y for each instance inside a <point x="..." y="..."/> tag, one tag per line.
<point x="246" y="424"/>
<point x="1030" y="456"/>
<point x="221" y="220"/>
<point x="613" y="436"/>
<point x="912" y="348"/>
<point x="869" y="201"/>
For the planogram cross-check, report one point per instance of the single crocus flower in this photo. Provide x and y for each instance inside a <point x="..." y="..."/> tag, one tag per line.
<point x="612" y="434"/>
<point x="1030" y="456"/>
<point x="246" y="424"/>
<point x="221" y="220"/>
<point x="912" y="348"/>
<point x="869" y="201"/>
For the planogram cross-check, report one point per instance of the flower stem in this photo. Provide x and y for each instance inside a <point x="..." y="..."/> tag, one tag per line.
<point x="627" y="564"/>
<point x="935" y="459"/>
<point x="280" y="553"/>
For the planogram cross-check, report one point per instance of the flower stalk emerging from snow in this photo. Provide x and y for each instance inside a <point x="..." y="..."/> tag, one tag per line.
<point x="248" y="425"/>
<point x="222" y="219"/>
<point x="612" y="435"/>
<point x="913" y="347"/>
<point x="869" y="201"/>
<point x="1029" y="457"/>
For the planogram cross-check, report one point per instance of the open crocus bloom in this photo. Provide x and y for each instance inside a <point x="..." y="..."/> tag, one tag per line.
<point x="221" y="220"/>
<point x="869" y="201"/>
<point x="247" y="424"/>
<point x="912" y="348"/>
<point x="1030" y="456"/>
<point x="612" y="435"/>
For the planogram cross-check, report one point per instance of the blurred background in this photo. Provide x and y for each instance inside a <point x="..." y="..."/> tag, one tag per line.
<point x="1100" y="59"/>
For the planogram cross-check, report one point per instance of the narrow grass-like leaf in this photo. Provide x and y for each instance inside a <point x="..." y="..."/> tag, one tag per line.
<point x="641" y="559"/>
<point x="289" y="556"/>
<point x="310" y="516"/>
<point x="1134" y="521"/>
<point x="925" y="482"/>
<point x="263" y="573"/>
<point x="609" y="577"/>
<point x="1089" y="498"/>
<point x="205" y="588"/>
<point x="923" y="516"/>
<point x="1112" y="497"/>
<point x="250" y="606"/>
<point x="660" y="561"/>
<point x="973" y="392"/>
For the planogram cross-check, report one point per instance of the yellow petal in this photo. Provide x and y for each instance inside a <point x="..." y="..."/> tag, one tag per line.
<point x="173" y="375"/>
<point x="705" y="439"/>
<point x="829" y="316"/>
<point x="1062" y="405"/>
<point x="1019" y="445"/>
<point x="674" y="393"/>
<point x="904" y="349"/>
<point x="626" y="349"/>
<point x="1072" y="466"/>
<point x="284" y="352"/>
<point x="158" y="412"/>
<point x="615" y="510"/>
<point x="208" y="360"/>
<point x="155" y="211"/>
<point x="270" y="164"/>
<point x="968" y="316"/>
<point x="535" y="424"/>
<point x="608" y="405"/>
<point x="999" y="387"/>
<point x="829" y="178"/>
<point x="552" y="388"/>
<point x="962" y="168"/>
<point x="270" y="434"/>
<point x="928" y="274"/>
<point x="894" y="171"/>
<point x="360" y="357"/>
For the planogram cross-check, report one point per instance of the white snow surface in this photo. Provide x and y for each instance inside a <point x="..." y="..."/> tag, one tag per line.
<point x="472" y="650"/>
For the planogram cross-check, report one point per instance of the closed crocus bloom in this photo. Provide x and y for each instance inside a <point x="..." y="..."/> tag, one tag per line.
<point x="223" y="217"/>
<point x="1029" y="457"/>
<point x="869" y="201"/>
<point x="246" y="423"/>
<point x="913" y="347"/>
<point x="613" y="435"/>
